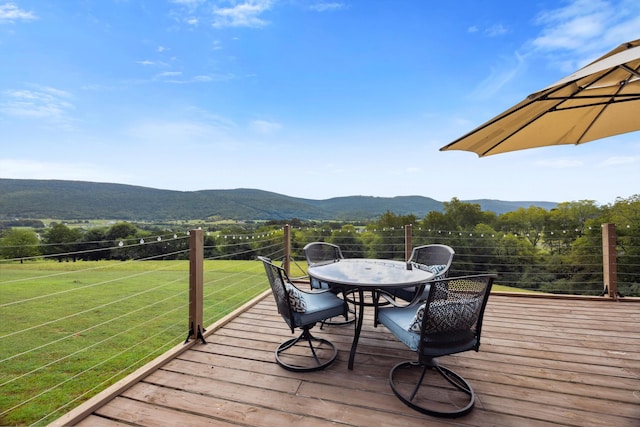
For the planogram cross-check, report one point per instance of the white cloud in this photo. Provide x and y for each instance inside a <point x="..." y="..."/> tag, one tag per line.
<point x="496" y="30"/>
<point x="9" y="12"/>
<point x="585" y="29"/>
<point x="245" y="14"/>
<point x="569" y="37"/>
<point x="500" y="76"/>
<point x="189" y="2"/>
<point x="44" y="103"/>
<point x="184" y="133"/>
<point x="169" y="74"/>
<point x="618" y="161"/>
<point x="325" y="6"/>
<point x="263" y="126"/>
<point x="174" y="77"/>
<point x="223" y="13"/>
<point x="569" y="27"/>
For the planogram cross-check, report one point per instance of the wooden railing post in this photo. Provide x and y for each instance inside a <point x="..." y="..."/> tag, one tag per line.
<point x="408" y="244"/>
<point x="196" y="283"/>
<point x="609" y="260"/>
<point x="287" y="249"/>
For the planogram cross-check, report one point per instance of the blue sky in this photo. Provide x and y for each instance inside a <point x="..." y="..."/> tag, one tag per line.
<point x="308" y="98"/>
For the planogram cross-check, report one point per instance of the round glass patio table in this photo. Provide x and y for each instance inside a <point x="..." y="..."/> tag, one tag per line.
<point x="363" y="274"/>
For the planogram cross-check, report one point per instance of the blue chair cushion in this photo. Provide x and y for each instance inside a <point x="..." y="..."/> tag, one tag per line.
<point x="398" y="320"/>
<point x="316" y="284"/>
<point x="319" y="306"/>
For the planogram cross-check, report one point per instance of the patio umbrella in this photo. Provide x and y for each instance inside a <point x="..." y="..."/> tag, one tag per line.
<point x="599" y="100"/>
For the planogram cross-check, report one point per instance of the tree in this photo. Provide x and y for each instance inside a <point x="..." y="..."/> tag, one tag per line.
<point x="60" y="239"/>
<point x="625" y="213"/>
<point x="19" y="244"/>
<point x="527" y="222"/>
<point x="567" y="222"/>
<point x="93" y="240"/>
<point x="121" y="230"/>
<point x="349" y="241"/>
<point x="464" y="216"/>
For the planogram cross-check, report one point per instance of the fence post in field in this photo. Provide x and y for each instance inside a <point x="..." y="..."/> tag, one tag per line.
<point x="408" y="245"/>
<point x="196" y="280"/>
<point x="287" y="248"/>
<point x="609" y="262"/>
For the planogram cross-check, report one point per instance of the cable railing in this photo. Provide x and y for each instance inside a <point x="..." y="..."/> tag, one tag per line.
<point x="575" y="261"/>
<point x="72" y="328"/>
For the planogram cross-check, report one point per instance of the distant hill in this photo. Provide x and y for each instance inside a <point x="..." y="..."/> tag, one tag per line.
<point x="28" y="198"/>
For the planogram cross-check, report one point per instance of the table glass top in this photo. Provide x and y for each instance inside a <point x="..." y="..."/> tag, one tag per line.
<point x="362" y="272"/>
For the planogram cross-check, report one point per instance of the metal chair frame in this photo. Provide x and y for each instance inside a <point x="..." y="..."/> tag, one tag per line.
<point x="329" y="306"/>
<point x="464" y="336"/>
<point x="425" y="256"/>
<point x="322" y="253"/>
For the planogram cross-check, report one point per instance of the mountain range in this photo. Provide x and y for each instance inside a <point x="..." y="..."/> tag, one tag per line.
<point x="58" y="199"/>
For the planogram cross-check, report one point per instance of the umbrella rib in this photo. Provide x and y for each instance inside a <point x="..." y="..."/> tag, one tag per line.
<point x="596" y="77"/>
<point x="557" y="107"/>
<point x="533" y="99"/>
<point x="611" y="99"/>
<point x="605" y="105"/>
<point x="634" y="97"/>
<point x="630" y="70"/>
<point x="544" y="97"/>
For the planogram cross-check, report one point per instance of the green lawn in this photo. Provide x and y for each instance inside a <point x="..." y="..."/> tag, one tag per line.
<point x="70" y="329"/>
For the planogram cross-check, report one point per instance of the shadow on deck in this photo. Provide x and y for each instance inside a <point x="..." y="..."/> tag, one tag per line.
<point x="542" y="362"/>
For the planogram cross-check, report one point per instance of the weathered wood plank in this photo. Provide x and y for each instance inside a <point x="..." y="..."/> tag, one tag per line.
<point x="542" y="363"/>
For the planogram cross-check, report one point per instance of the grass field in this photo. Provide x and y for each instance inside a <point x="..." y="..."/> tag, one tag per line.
<point x="70" y="329"/>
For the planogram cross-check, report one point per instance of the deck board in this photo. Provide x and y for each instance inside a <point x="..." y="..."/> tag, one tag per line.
<point x="542" y="362"/>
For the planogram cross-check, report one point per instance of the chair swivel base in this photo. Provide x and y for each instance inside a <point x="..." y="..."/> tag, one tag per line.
<point x="425" y="397"/>
<point x="306" y="353"/>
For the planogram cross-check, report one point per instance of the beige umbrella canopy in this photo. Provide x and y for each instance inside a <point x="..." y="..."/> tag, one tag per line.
<point x="600" y="100"/>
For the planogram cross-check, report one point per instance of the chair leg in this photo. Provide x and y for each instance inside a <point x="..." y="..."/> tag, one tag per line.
<point x="431" y="398"/>
<point x="323" y="353"/>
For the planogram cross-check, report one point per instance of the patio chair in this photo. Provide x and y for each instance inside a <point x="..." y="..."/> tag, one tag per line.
<point x="322" y="253"/>
<point x="434" y="328"/>
<point x="434" y="258"/>
<point x="303" y="310"/>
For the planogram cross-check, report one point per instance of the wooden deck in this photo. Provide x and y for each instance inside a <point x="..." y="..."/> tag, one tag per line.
<point x="542" y="362"/>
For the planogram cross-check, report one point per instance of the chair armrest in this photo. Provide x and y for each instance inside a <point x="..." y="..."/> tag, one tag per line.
<point x="416" y="299"/>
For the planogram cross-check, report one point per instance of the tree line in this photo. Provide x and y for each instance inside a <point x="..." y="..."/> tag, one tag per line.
<point x="557" y="250"/>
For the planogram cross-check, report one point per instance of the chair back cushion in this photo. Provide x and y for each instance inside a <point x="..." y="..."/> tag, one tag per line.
<point x="447" y="316"/>
<point x="437" y="259"/>
<point x="296" y="299"/>
<point x="442" y="326"/>
<point x="298" y="308"/>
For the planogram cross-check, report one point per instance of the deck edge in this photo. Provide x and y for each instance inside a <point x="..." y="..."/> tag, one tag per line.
<point x="85" y="409"/>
